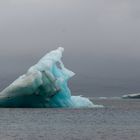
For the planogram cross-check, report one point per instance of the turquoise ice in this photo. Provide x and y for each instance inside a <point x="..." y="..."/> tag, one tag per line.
<point x="44" y="85"/>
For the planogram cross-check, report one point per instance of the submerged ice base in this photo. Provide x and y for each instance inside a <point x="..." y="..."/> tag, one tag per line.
<point x="44" y="85"/>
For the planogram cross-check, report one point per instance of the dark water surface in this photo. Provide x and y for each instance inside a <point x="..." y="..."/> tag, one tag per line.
<point x="119" y="120"/>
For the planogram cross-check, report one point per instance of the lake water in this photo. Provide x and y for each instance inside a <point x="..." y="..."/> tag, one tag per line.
<point x="120" y="119"/>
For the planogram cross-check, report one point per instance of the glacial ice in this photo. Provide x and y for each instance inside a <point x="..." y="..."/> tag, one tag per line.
<point x="131" y="96"/>
<point x="44" y="85"/>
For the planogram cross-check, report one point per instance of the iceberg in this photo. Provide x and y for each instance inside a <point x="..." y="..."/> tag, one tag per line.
<point x="44" y="86"/>
<point x="131" y="96"/>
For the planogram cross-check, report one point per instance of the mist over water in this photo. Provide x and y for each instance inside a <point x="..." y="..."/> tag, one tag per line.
<point x="101" y="41"/>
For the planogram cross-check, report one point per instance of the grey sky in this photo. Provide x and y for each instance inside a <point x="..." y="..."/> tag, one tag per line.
<point x="101" y="40"/>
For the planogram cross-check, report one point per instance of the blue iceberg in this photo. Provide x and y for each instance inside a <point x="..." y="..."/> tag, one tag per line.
<point x="44" y="86"/>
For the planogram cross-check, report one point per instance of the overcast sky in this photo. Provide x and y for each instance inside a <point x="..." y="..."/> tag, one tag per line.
<point x="101" y="40"/>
